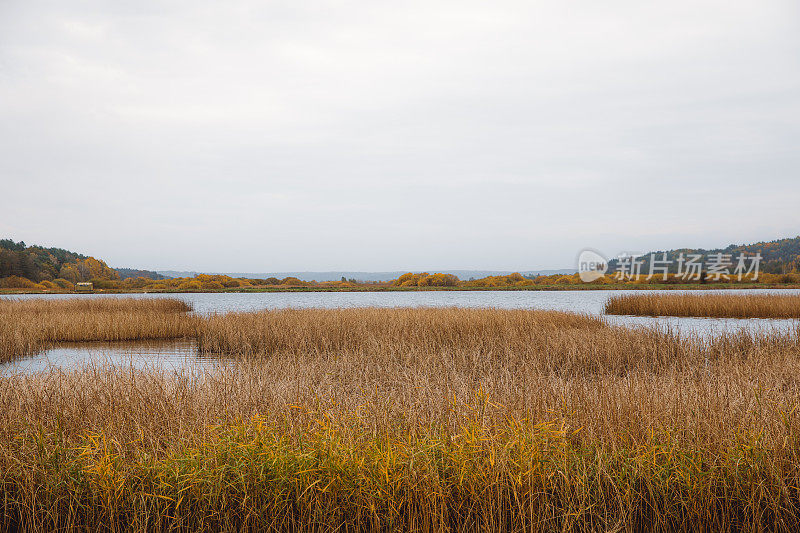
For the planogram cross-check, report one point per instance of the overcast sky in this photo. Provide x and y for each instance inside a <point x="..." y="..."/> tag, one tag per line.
<point x="268" y="136"/>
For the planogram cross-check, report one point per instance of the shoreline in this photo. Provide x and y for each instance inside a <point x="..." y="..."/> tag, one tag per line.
<point x="550" y="287"/>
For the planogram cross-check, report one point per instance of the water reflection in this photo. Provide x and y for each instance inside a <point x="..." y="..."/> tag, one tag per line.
<point x="180" y="353"/>
<point x="167" y="354"/>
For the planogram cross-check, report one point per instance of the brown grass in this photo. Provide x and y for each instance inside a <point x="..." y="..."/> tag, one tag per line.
<point x="706" y="305"/>
<point x="311" y="331"/>
<point x="415" y="419"/>
<point x="510" y="338"/>
<point x="29" y="326"/>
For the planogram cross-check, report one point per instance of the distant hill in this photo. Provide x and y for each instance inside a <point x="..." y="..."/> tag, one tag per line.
<point x="125" y="273"/>
<point x="778" y="257"/>
<point x="361" y="276"/>
<point x="37" y="263"/>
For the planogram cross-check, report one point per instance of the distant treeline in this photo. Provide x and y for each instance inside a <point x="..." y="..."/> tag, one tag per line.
<point x="24" y="266"/>
<point x="780" y="256"/>
<point x="57" y="270"/>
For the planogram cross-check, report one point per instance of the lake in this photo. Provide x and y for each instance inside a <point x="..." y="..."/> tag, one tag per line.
<point x="177" y="354"/>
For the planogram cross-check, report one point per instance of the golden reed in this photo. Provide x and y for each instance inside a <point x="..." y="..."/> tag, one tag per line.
<point x="706" y="305"/>
<point x="418" y="420"/>
<point x="28" y="326"/>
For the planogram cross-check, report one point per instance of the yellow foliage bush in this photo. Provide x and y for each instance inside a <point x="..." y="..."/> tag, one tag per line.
<point x="16" y="282"/>
<point x="64" y="284"/>
<point x="438" y="280"/>
<point x="294" y="282"/>
<point x="515" y="279"/>
<point x="409" y="279"/>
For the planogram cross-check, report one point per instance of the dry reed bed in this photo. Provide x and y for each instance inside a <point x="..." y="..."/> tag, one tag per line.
<point x="706" y="305"/>
<point x="471" y="338"/>
<point x="28" y="326"/>
<point x="315" y="331"/>
<point x="415" y="419"/>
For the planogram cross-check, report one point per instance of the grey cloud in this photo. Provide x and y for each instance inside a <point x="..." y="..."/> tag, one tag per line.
<point x="251" y="136"/>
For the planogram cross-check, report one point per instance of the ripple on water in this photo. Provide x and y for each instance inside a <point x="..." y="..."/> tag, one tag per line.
<point x="176" y="354"/>
<point x="172" y="354"/>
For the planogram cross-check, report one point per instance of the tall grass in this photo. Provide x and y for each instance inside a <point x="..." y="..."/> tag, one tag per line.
<point x="310" y="331"/>
<point x="28" y="326"/>
<point x="422" y="420"/>
<point x="469" y="338"/>
<point x="706" y="305"/>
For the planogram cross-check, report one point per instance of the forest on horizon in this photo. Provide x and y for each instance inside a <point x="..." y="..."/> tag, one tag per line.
<point x="56" y="269"/>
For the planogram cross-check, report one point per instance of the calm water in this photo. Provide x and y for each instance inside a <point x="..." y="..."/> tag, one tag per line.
<point x="176" y="354"/>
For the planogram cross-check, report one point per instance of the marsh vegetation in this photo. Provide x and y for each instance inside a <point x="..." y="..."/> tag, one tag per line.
<point x="706" y="305"/>
<point x="28" y="326"/>
<point x="413" y="419"/>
